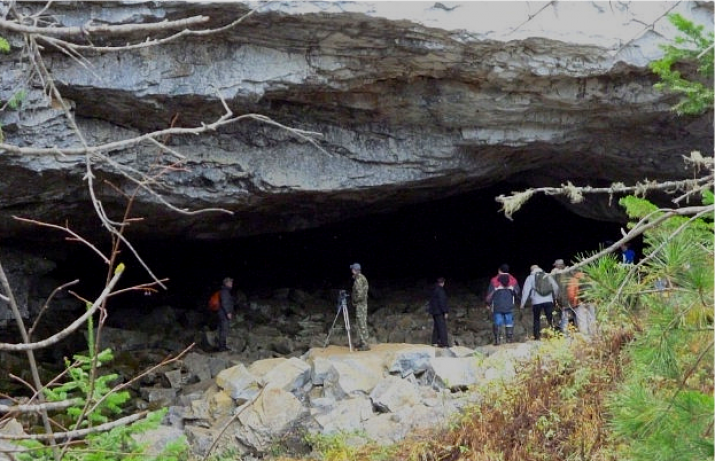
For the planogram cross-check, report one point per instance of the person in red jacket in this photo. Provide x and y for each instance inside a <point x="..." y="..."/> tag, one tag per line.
<point x="502" y="295"/>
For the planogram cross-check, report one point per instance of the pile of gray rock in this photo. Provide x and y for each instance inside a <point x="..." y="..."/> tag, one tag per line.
<point x="282" y="379"/>
<point x="382" y="395"/>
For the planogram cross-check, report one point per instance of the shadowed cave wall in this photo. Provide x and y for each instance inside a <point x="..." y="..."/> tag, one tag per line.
<point x="464" y="238"/>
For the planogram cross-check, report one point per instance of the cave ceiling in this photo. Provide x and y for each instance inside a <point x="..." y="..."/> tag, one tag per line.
<point x="337" y="110"/>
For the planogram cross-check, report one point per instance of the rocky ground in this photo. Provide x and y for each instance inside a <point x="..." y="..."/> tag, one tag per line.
<point x="281" y="380"/>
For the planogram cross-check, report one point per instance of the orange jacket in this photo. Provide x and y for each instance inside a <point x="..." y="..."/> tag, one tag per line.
<point x="573" y="289"/>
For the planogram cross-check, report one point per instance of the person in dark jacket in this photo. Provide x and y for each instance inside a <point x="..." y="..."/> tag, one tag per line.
<point x="501" y="298"/>
<point x="439" y="309"/>
<point x="225" y="313"/>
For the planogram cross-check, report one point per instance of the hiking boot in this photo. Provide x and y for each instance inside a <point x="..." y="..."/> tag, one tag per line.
<point x="363" y="347"/>
<point x="510" y="334"/>
<point x="495" y="330"/>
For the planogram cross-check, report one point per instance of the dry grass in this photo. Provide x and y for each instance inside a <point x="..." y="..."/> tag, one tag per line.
<point x="553" y="411"/>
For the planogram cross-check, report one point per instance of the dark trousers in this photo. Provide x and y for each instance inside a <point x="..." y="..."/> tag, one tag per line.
<point x="439" y="330"/>
<point x="548" y="309"/>
<point x="222" y="329"/>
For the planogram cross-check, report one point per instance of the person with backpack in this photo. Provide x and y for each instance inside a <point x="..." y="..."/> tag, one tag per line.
<point x="439" y="309"/>
<point x="561" y="302"/>
<point x="501" y="297"/>
<point x="541" y="289"/>
<point x="225" y="313"/>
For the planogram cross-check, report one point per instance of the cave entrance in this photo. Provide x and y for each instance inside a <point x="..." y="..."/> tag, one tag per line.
<point x="464" y="238"/>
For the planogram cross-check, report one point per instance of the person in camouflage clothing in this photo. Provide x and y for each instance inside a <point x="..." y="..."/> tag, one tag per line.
<point x="359" y="302"/>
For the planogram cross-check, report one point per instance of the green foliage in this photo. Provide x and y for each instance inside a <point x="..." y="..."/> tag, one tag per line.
<point x="17" y="99"/>
<point x="80" y="386"/>
<point x="15" y="102"/>
<point x="332" y="447"/>
<point x="96" y="394"/>
<point x="117" y="444"/>
<point x="668" y="383"/>
<point x="229" y="454"/>
<point x="694" y="47"/>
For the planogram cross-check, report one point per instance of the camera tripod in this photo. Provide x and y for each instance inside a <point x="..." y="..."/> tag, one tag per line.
<point x="342" y="309"/>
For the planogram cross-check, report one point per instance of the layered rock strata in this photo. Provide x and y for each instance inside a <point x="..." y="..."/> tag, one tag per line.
<point x="408" y="104"/>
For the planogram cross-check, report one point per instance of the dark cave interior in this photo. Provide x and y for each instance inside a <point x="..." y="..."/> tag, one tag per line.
<point x="463" y="238"/>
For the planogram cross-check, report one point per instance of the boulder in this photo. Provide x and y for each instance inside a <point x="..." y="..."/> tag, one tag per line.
<point x="393" y="393"/>
<point x="271" y="415"/>
<point x="452" y="373"/>
<point x="239" y="383"/>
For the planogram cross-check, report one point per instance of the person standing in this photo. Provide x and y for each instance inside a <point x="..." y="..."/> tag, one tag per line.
<point x="358" y="299"/>
<point x="439" y="309"/>
<point x="628" y="256"/>
<point x="585" y="312"/>
<point x="562" y="277"/>
<point x="502" y="293"/>
<point x="541" y="289"/>
<point x="225" y="313"/>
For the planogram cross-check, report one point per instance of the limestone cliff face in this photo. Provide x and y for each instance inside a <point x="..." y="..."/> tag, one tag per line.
<point x="413" y="101"/>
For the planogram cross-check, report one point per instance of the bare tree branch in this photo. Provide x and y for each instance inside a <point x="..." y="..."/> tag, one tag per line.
<point x="647" y="27"/>
<point x="532" y="16"/>
<point x="104" y="29"/>
<point x="66" y="229"/>
<point x="77" y="433"/>
<point x="230" y="421"/>
<point x="127" y="143"/>
<point x="34" y="371"/>
<point x="39" y="407"/>
<point x="57" y="337"/>
<point x="149" y="42"/>
<point x="512" y="203"/>
<point x="136" y="378"/>
<point x="46" y="306"/>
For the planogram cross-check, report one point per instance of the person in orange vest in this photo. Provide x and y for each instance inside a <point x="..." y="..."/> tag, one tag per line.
<point x="585" y="312"/>
<point x="573" y="289"/>
<point x="562" y="276"/>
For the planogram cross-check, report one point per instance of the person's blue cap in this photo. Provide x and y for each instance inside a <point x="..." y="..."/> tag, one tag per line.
<point x="355" y="266"/>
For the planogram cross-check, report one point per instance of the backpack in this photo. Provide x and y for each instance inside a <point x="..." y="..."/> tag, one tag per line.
<point x="503" y="297"/>
<point x="562" y="280"/>
<point x="215" y="301"/>
<point x="542" y="284"/>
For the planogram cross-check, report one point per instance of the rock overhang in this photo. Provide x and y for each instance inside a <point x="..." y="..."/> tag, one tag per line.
<point x="407" y="109"/>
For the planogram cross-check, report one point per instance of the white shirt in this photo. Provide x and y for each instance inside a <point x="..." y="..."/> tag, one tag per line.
<point x="536" y="298"/>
